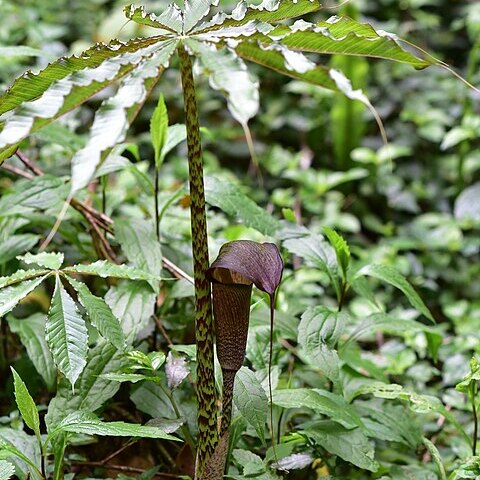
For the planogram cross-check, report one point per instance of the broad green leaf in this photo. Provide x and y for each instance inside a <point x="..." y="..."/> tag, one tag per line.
<point x="158" y="129"/>
<point x="393" y="277"/>
<point x="345" y="36"/>
<point x="250" y="399"/>
<point x="140" y="244"/>
<point x="66" y="334"/>
<point x="472" y="377"/>
<point x="44" y="259"/>
<point x="31" y="331"/>
<point x="229" y="75"/>
<point x="22" y="51"/>
<point x="232" y="201"/>
<point x="133" y="303"/>
<point x="7" y="470"/>
<point x="92" y="389"/>
<point x="26" y="405"/>
<point x="99" y="314"/>
<point x="11" y="295"/>
<point x="194" y="11"/>
<point x="65" y="84"/>
<point x="176" y="134"/>
<point x="268" y="11"/>
<point x="22" y="450"/>
<point x="114" y="116"/>
<point x="326" y="403"/>
<point x="467" y="204"/>
<point x="40" y="193"/>
<point x="286" y="62"/>
<point x="21" y="275"/>
<point x="128" y="377"/>
<point x="89" y="424"/>
<point x="251" y="464"/>
<point x="151" y="399"/>
<point x="169" y="20"/>
<point x="16" y="244"/>
<point x="351" y="445"/>
<point x="320" y="325"/>
<point x="105" y="269"/>
<point x="341" y="249"/>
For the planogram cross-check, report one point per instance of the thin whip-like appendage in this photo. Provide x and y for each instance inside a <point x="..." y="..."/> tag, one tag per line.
<point x="442" y="64"/>
<point x="57" y="224"/>
<point x="270" y="361"/>
<point x="206" y="393"/>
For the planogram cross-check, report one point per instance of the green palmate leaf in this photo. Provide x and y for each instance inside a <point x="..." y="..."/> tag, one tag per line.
<point x="99" y="314"/>
<point x="351" y="445"/>
<point x="158" y="129"/>
<point x="21" y="275"/>
<point x="251" y="401"/>
<point x="344" y="36"/>
<point x="7" y="470"/>
<point x="90" y="424"/>
<point x="11" y="295"/>
<point x="105" y="269"/>
<point x="229" y="75"/>
<point x="321" y="401"/>
<point x="341" y="250"/>
<point x="140" y="244"/>
<point x="16" y="244"/>
<point x="114" y="116"/>
<point x="66" y="334"/>
<point x="268" y="11"/>
<point x="232" y="201"/>
<point x="170" y="20"/>
<point x="65" y="84"/>
<point x="26" y="405"/>
<point x="92" y="389"/>
<point x="31" y="331"/>
<point x="393" y="277"/>
<point x="286" y="62"/>
<point x="194" y="11"/>
<point x="44" y="259"/>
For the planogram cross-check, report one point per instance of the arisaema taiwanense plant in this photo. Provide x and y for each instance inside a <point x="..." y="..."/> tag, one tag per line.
<point x="262" y="34"/>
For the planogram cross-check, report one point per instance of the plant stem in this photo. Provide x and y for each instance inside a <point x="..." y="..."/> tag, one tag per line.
<point x="157" y="217"/>
<point x="206" y="395"/>
<point x="473" y="393"/>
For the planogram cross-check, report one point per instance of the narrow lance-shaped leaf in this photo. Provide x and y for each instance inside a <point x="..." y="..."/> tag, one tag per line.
<point x="64" y="85"/>
<point x="66" y="334"/>
<point x="170" y="20"/>
<point x="158" y="129"/>
<point x="26" y="405"/>
<point x="341" y="250"/>
<point x="20" y="276"/>
<point x="112" y="119"/>
<point x="268" y="11"/>
<point x="11" y="295"/>
<point x="100" y="314"/>
<point x="194" y="11"/>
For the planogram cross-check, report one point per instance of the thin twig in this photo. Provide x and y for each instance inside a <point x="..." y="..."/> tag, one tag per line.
<point x="29" y="164"/>
<point x="123" y="468"/>
<point x="176" y="270"/>
<point x="117" y="452"/>
<point x="17" y="171"/>
<point x="160" y="326"/>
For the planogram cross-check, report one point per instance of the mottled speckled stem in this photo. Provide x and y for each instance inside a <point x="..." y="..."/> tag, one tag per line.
<point x="206" y="395"/>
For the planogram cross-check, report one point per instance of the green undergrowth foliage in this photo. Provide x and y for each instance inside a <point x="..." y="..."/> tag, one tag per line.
<point x="355" y="217"/>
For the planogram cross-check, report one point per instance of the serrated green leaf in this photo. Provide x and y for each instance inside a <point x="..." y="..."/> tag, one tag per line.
<point x="65" y="84"/>
<point x="114" y="116"/>
<point x="44" y="259"/>
<point x="31" y="331"/>
<point x="321" y="401"/>
<point x="351" y="445"/>
<point x="286" y="62"/>
<point x="21" y="275"/>
<point x="7" y="470"/>
<point x="232" y="201"/>
<point x="140" y="244"/>
<point x="268" y="11"/>
<point x="12" y="294"/>
<point x="158" y="129"/>
<point x="66" y="334"/>
<point x="90" y="424"/>
<point x="92" y="390"/>
<point x="229" y="75"/>
<point x="389" y="275"/>
<point x="99" y="314"/>
<point x="128" y="377"/>
<point x="26" y="405"/>
<point x="251" y="400"/>
<point x="344" y="36"/>
<point x="16" y="244"/>
<point x="105" y="269"/>
<point x="194" y="11"/>
<point x="341" y="249"/>
<point x="169" y="20"/>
